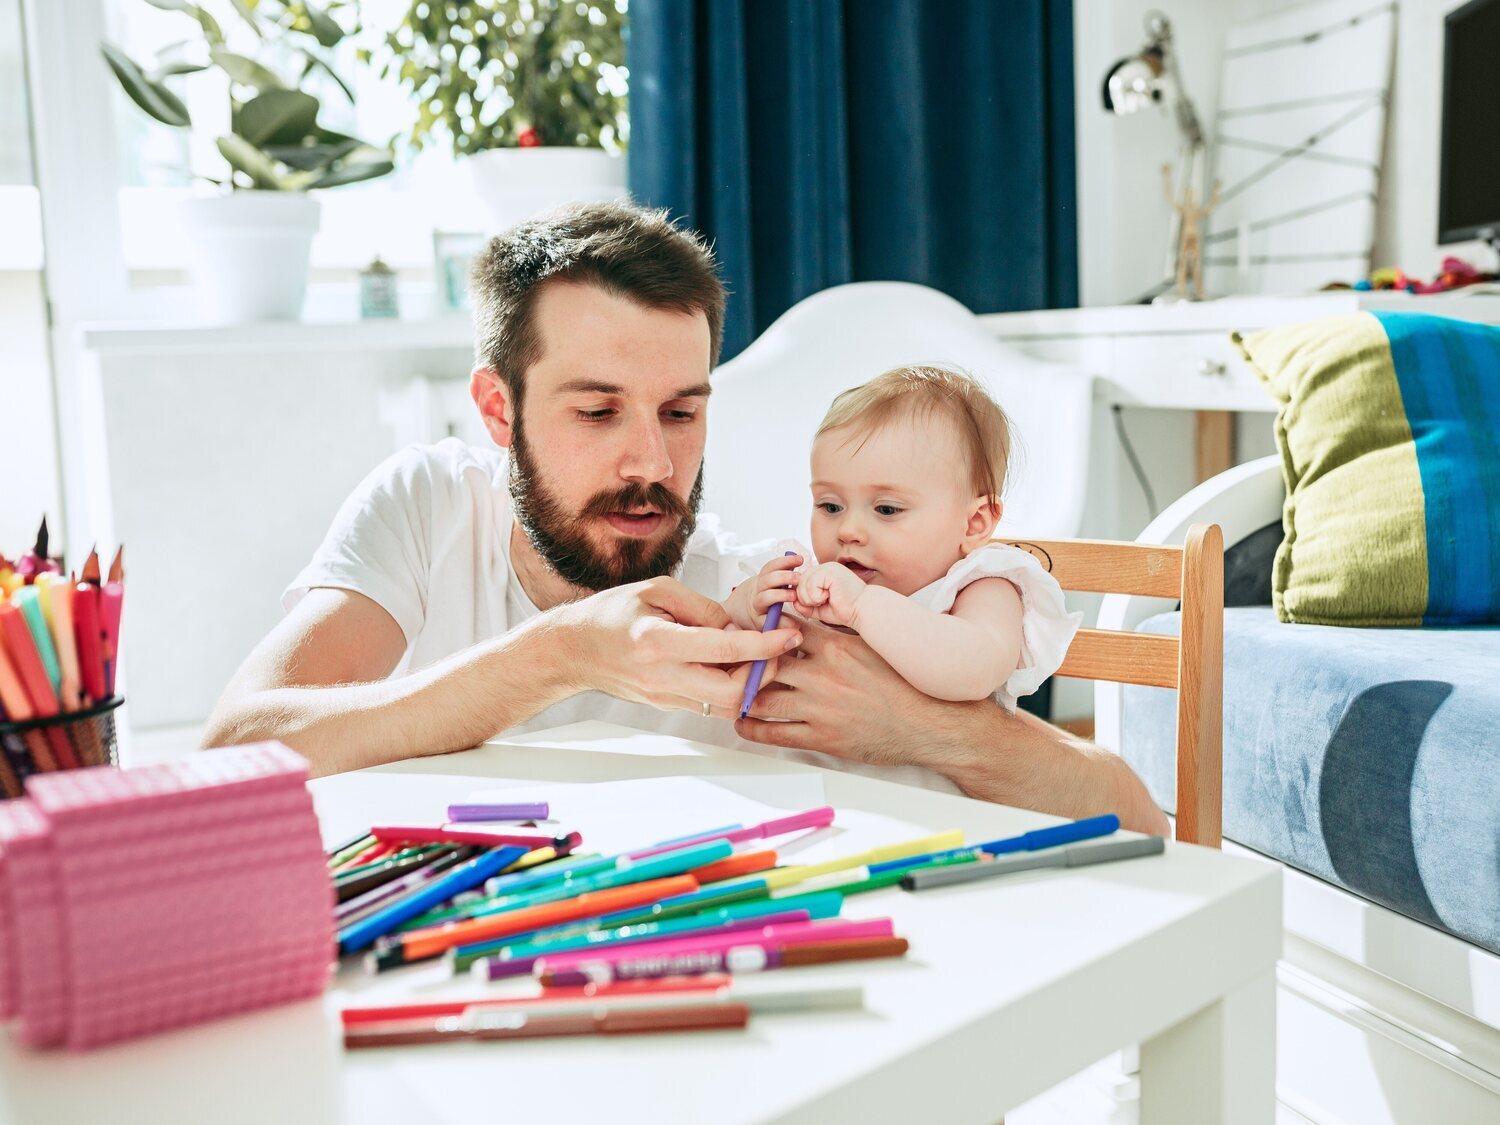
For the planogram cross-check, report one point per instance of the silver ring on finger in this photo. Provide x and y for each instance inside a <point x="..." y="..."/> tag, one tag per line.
<point x="705" y="710"/>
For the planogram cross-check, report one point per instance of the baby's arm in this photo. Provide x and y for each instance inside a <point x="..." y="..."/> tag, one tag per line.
<point x="968" y="653"/>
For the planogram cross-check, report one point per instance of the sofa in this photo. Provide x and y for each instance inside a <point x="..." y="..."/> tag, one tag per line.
<point x="1365" y="762"/>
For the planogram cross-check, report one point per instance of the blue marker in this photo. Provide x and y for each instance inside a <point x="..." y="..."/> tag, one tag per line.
<point x="467" y="875"/>
<point x="758" y="669"/>
<point x="1026" y="842"/>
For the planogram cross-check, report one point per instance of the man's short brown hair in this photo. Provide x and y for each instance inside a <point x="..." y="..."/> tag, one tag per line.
<point x="623" y="249"/>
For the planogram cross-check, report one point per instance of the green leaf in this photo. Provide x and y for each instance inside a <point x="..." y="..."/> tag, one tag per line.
<point x="151" y="96"/>
<point x="325" y="28"/>
<point x="313" y="60"/>
<point x="245" y="157"/>
<point x="277" y="117"/>
<point x="172" y="70"/>
<point x="311" y="157"/>
<point x="353" y="171"/>
<point x="247" y="72"/>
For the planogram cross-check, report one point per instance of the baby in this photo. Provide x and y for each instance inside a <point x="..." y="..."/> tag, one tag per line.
<point x="907" y="474"/>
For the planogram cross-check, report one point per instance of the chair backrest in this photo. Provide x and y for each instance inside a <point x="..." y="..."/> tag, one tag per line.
<point x="768" y="401"/>
<point x="1192" y="663"/>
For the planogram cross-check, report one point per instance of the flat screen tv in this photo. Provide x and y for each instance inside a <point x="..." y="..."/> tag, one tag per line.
<point x="1469" y="192"/>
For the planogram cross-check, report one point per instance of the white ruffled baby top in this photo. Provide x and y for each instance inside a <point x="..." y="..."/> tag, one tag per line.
<point x="1047" y="628"/>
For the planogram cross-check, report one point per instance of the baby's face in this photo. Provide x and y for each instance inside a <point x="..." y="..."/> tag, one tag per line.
<point x="894" y="505"/>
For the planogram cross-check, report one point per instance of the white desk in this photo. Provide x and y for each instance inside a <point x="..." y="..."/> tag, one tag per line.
<point x="1010" y="987"/>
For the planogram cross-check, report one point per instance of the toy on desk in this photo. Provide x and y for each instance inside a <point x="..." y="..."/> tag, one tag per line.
<point x="119" y="915"/>
<point x="59" y="647"/>
<point x="1455" y="274"/>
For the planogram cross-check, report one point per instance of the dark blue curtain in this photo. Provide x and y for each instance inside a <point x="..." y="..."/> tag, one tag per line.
<point x="816" y="142"/>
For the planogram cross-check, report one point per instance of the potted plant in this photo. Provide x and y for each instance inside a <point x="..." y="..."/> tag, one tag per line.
<point x="250" y="242"/>
<point x="533" y="92"/>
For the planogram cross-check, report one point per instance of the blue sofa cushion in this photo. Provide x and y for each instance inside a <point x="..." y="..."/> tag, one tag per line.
<point x="1367" y="757"/>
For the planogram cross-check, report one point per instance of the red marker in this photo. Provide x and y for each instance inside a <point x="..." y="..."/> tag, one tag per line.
<point x="86" y="633"/>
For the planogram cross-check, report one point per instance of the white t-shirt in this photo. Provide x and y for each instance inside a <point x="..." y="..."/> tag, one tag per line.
<point x="427" y="537"/>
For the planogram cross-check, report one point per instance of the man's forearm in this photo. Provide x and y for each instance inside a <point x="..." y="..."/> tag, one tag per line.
<point x="1020" y="760"/>
<point x="452" y="705"/>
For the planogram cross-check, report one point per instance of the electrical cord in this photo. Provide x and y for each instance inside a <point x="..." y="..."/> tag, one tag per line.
<point x="1135" y="462"/>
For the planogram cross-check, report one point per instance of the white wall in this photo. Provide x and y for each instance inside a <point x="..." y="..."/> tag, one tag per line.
<point x="27" y="439"/>
<point x="1122" y="218"/>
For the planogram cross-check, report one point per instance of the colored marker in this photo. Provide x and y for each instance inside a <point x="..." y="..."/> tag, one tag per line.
<point x="520" y="1025"/>
<point x="27" y="661"/>
<point x="111" y="604"/>
<point x="427" y="834"/>
<point x="419" y="945"/>
<point x="28" y="601"/>
<point x="86" y="633"/>
<point x="57" y="603"/>
<point x="1070" y="833"/>
<point x="758" y="669"/>
<point x="830" y="930"/>
<point x="811" y="818"/>
<point x="1079" y="855"/>
<point x="524" y="810"/>
<point x="515" y="959"/>
<point x="363" y="933"/>
<point x="752" y="958"/>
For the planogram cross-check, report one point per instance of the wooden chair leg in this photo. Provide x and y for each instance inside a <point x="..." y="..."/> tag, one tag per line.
<point x="1200" y="689"/>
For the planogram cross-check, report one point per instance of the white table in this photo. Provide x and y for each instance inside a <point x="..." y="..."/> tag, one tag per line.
<point x="1010" y="987"/>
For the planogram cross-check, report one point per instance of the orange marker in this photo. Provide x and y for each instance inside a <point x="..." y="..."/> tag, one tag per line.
<point x="734" y="866"/>
<point x="13" y="697"/>
<point x="420" y="944"/>
<point x="28" y="662"/>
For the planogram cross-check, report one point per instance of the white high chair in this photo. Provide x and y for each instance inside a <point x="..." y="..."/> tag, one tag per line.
<point x="767" y="403"/>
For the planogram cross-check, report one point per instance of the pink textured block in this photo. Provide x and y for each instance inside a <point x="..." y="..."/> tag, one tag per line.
<point x="41" y="993"/>
<point x="7" y="945"/>
<point x="145" y="899"/>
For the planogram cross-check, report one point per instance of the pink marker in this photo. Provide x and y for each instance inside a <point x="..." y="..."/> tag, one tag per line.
<point x="831" y="930"/>
<point x="812" y="818"/>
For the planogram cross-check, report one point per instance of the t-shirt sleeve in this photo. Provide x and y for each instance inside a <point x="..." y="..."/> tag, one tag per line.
<point x="379" y="544"/>
<point x="1047" y="628"/>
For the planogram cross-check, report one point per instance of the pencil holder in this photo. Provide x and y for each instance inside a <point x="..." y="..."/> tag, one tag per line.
<point x="69" y="741"/>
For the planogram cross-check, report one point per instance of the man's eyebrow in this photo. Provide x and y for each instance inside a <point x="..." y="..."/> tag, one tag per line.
<point x="599" y="387"/>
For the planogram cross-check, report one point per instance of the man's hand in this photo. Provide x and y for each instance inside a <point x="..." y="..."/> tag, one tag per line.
<point x="830" y="593"/>
<point x="659" y="642"/>
<point x="839" y="697"/>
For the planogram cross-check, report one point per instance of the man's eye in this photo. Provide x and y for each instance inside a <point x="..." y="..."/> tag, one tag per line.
<point x="595" y="415"/>
<point x="682" y="415"/>
<point x="887" y="510"/>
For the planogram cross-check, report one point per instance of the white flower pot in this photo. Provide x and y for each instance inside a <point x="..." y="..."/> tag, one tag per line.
<point x="249" y="253"/>
<point x="515" y="184"/>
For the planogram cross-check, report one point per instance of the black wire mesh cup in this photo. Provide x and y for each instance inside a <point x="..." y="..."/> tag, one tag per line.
<point x="74" y="740"/>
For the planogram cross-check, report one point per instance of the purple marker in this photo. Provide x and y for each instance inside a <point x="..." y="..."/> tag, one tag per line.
<point x="525" y="810"/>
<point x="758" y="669"/>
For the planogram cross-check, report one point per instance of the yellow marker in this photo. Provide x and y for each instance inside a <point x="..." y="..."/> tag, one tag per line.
<point x="789" y="876"/>
<point x="57" y="606"/>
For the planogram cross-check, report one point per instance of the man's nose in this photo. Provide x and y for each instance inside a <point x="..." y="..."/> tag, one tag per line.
<point x="646" y="458"/>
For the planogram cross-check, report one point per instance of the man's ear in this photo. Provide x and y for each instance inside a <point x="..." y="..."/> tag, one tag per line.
<point x="984" y="514"/>
<point x="491" y="394"/>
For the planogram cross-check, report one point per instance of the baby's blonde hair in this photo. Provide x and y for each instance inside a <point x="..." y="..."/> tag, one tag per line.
<point x="930" y="390"/>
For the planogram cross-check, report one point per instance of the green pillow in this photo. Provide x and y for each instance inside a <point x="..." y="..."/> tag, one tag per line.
<point x="1387" y="434"/>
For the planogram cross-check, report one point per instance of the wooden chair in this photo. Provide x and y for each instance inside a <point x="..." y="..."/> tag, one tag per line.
<point x="1193" y="662"/>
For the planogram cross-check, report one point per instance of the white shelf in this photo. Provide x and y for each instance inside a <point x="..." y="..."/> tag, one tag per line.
<point x="1228" y="314"/>
<point x="454" y="331"/>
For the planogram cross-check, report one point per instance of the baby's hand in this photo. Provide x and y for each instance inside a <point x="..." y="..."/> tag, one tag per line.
<point x="829" y="593"/>
<point x="775" y="584"/>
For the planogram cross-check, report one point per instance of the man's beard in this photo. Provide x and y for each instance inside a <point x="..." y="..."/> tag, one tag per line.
<point x="560" y="537"/>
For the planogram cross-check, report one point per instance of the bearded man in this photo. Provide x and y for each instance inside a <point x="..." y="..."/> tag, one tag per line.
<point x="463" y="593"/>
